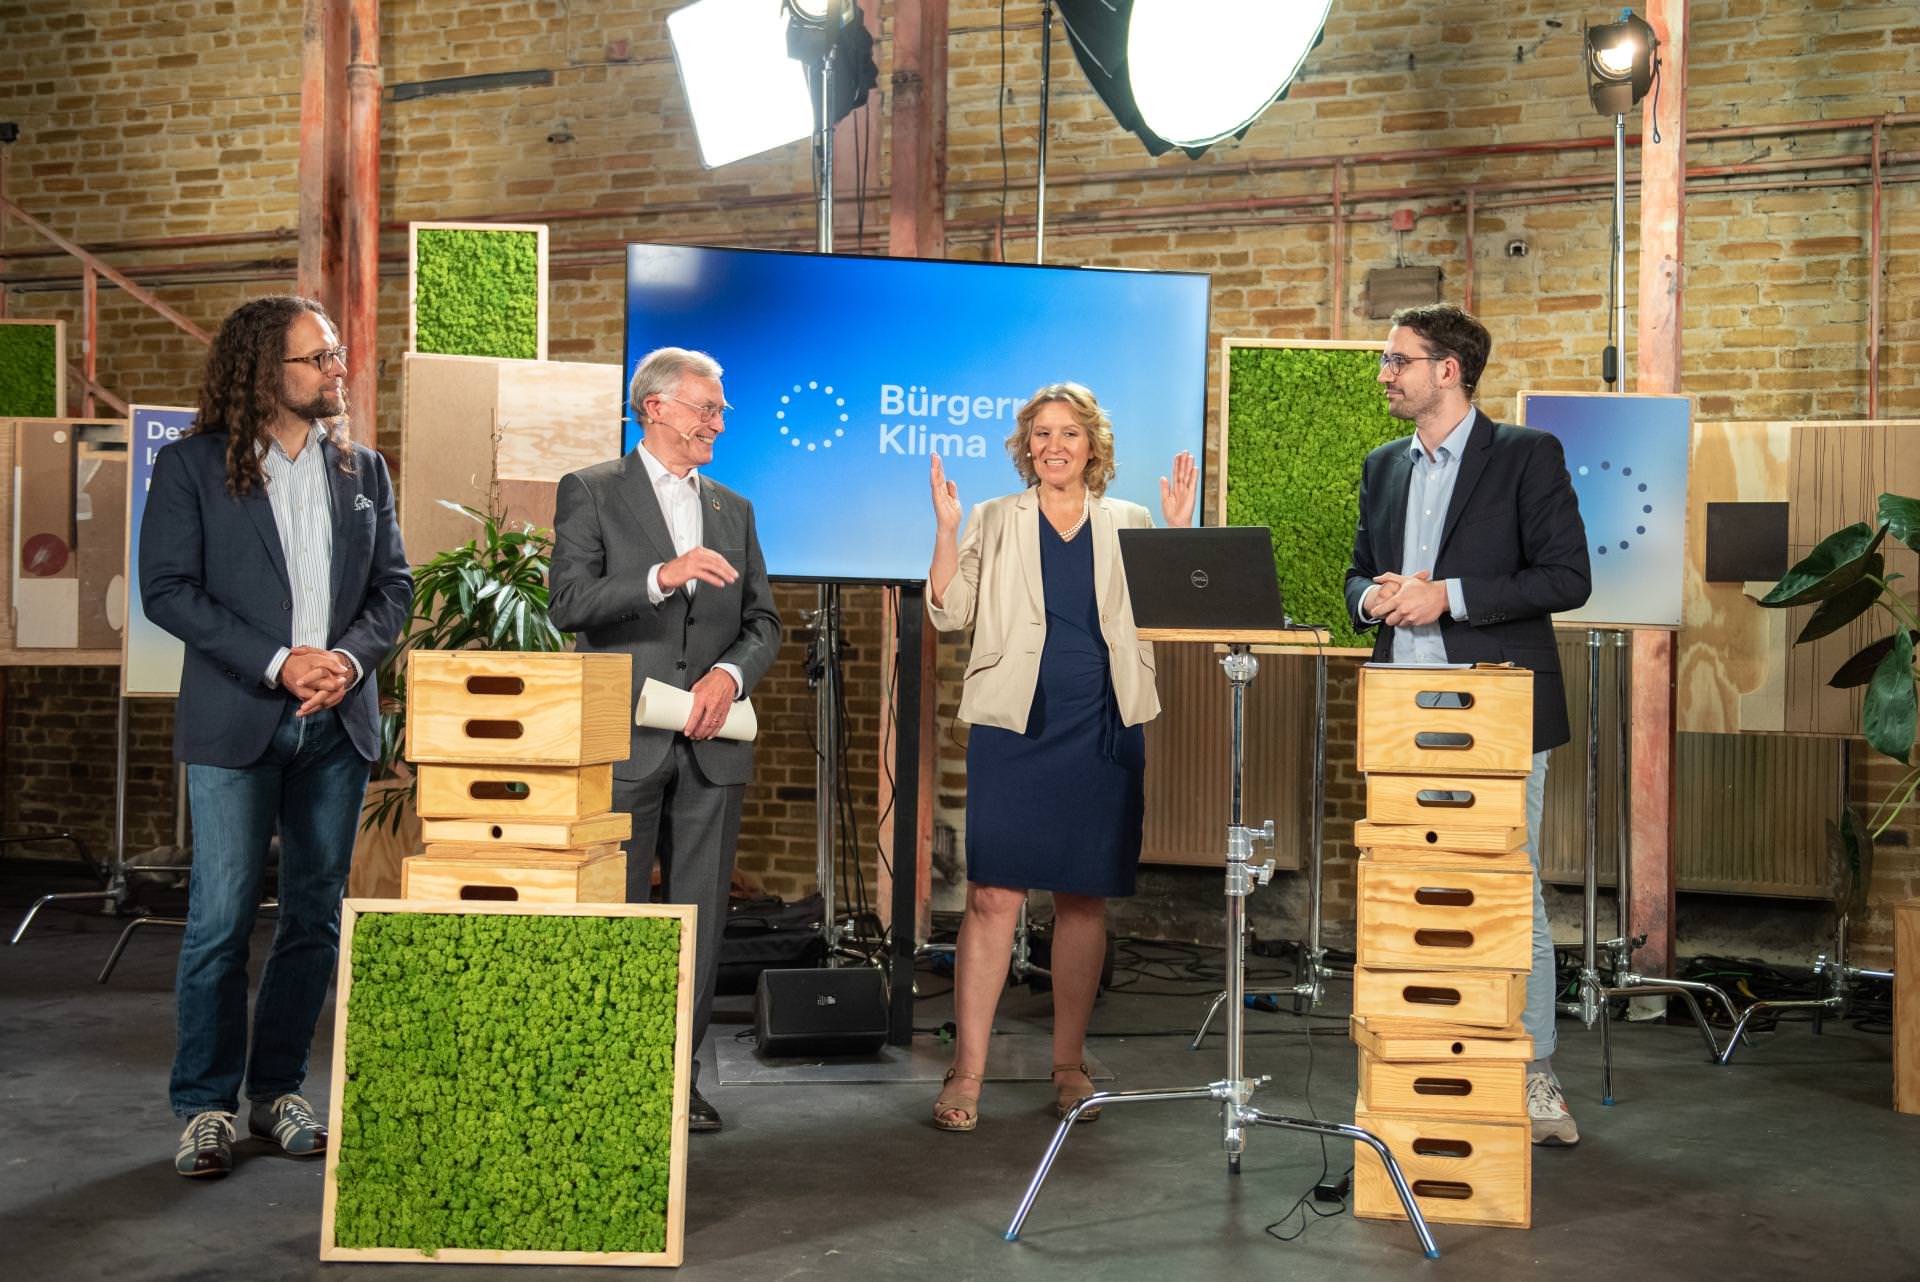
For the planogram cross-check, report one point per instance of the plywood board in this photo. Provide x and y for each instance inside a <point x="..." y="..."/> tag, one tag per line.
<point x="446" y="449"/>
<point x="60" y="616"/>
<point x="1739" y="670"/>
<point x="555" y="417"/>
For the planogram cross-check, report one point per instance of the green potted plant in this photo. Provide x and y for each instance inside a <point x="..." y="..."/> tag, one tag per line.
<point x="1846" y="576"/>
<point x="489" y="593"/>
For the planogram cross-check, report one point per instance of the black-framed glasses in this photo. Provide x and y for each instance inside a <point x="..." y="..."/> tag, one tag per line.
<point x="707" y="410"/>
<point x="1393" y="362"/>
<point x="320" y="360"/>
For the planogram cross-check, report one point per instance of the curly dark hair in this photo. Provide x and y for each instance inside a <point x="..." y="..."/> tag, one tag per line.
<point x="241" y="388"/>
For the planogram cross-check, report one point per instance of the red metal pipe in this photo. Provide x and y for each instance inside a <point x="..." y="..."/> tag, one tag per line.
<point x="7" y="205"/>
<point x="89" y="335"/>
<point x="1875" y="256"/>
<point x="363" y="218"/>
<point x="1339" y="250"/>
<point x="1468" y="302"/>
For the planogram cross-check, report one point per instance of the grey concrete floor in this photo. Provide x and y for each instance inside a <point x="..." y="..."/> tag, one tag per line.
<point x="1788" y="1165"/>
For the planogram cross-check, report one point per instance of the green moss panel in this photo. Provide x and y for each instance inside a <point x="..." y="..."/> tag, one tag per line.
<point x="1301" y="422"/>
<point x="29" y="371"/>
<point x="477" y="293"/>
<point x="509" y="1083"/>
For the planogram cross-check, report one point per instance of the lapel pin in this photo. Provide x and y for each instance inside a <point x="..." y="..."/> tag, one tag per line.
<point x="716" y="505"/>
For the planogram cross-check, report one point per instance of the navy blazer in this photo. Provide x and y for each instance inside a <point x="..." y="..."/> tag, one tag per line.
<point x="1513" y="537"/>
<point x="212" y="573"/>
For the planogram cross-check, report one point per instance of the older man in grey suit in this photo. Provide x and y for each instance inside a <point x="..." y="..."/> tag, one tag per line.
<point x="654" y="560"/>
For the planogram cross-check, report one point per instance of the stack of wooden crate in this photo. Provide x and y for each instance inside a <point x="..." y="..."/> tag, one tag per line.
<point x="514" y="757"/>
<point x="1445" y="942"/>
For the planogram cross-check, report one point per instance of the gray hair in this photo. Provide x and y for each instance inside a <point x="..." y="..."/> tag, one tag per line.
<point x="660" y="371"/>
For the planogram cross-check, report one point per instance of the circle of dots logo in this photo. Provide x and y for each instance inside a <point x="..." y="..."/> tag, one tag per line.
<point x="812" y="416"/>
<point x="1625" y="475"/>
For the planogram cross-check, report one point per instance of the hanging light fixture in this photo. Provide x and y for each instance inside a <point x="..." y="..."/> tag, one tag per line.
<point x="1191" y="73"/>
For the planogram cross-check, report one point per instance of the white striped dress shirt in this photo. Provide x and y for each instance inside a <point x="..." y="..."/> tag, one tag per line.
<point x="302" y="502"/>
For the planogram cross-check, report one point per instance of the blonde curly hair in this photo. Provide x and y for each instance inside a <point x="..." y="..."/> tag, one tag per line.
<point x="1087" y="413"/>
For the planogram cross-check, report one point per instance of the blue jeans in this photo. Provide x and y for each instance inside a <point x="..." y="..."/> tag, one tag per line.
<point x="1543" y="983"/>
<point x="308" y="785"/>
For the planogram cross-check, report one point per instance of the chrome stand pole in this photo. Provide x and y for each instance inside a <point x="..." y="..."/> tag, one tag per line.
<point x="1595" y="993"/>
<point x="1234" y="1093"/>
<point x="1312" y="973"/>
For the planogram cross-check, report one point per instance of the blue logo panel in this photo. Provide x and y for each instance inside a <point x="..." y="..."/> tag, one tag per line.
<point x="848" y="373"/>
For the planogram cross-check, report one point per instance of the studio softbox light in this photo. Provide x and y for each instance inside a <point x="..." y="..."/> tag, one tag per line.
<point x="1189" y="73"/>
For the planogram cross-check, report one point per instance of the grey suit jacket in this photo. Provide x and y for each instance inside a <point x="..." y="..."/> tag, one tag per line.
<point x="608" y="532"/>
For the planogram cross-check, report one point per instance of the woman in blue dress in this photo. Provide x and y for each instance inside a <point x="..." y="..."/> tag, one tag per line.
<point x="1057" y="688"/>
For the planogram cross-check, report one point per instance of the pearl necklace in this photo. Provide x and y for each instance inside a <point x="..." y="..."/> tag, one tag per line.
<point x="1066" y="535"/>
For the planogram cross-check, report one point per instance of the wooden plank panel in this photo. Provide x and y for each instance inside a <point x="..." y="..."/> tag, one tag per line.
<point x="1493" y="1090"/>
<point x="1906" y="1006"/>
<point x="1444" y="918"/>
<point x="1478" y="999"/>
<point x="1460" y="1172"/>
<point x="1438" y="1043"/>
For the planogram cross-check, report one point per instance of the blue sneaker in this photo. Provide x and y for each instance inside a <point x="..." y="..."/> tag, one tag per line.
<point x="289" y="1122"/>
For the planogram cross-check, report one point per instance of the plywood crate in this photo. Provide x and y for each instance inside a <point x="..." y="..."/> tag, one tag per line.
<point x="1472" y="841"/>
<point x="1446" y="721"/>
<point x="560" y="834"/>
<point x="1404" y="1041"/>
<point x="1487" y="1089"/>
<point x="619" y="1064"/>
<point x="551" y="793"/>
<point x="1482" y="999"/>
<point x="1434" y="857"/>
<point x="594" y="875"/>
<point x="1447" y="801"/>
<point x="1422" y="918"/>
<point x="1461" y="1172"/>
<point x="493" y="707"/>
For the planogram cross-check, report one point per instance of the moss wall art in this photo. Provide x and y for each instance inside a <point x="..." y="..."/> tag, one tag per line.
<point x="1300" y="421"/>
<point x="30" y="370"/>
<point x="477" y="292"/>
<point x="509" y="1082"/>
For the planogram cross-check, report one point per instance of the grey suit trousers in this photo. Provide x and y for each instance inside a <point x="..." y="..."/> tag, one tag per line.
<point x="691" y="827"/>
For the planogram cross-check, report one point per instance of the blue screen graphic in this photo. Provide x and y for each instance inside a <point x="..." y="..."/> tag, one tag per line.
<point x="1627" y="456"/>
<point x="846" y="373"/>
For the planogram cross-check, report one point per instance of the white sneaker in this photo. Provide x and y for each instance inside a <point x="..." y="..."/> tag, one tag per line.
<point x="1547" y="1110"/>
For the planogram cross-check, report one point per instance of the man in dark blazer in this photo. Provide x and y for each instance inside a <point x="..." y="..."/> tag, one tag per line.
<point x="1470" y="539"/>
<point x="654" y="560"/>
<point x="269" y="547"/>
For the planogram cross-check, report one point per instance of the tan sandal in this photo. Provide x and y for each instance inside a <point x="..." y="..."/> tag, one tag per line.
<point x="1065" y="1097"/>
<point x="968" y="1109"/>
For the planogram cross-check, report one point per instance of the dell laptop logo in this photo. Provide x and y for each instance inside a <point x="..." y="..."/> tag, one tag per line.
<point x="1198" y="578"/>
<point x="826" y="999"/>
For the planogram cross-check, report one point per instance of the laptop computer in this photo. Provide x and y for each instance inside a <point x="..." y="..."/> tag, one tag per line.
<point x="1211" y="577"/>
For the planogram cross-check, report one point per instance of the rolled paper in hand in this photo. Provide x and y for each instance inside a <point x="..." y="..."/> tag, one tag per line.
<point x="665" y="707"/>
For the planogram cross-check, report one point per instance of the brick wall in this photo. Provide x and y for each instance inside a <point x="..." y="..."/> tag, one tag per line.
<point x="153" y="120"/>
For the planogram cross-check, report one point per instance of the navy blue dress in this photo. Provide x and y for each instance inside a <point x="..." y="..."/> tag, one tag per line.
<point x="1060" y="807"/>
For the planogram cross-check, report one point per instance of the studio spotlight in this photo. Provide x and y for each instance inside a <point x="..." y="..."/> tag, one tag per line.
<point x="1621" y="57"/>
<point x="1190" y="73"/>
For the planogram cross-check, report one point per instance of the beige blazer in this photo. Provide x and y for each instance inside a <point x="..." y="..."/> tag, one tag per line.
<point x="998" y="590"/>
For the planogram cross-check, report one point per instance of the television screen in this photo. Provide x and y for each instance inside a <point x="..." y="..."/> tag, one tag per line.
<point x="847" y="373"/>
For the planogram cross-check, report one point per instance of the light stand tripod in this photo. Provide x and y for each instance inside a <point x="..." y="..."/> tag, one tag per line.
<point x="1312" y="972"/>
<point x="1233" y="1093"/>
<point x="1594" y="993"/>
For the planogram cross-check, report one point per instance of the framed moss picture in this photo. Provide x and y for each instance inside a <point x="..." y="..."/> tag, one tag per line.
<point x="477" y="289"/>
<point x="510" y="1083"/>
<point x="33" y="368"/>
<point x="1300" y="417"/>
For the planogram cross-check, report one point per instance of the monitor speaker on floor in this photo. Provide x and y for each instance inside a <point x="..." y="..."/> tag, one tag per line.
<point x="840" y="1011"/>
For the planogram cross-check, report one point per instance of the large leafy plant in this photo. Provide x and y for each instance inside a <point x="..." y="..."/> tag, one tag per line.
<point x="1845" y="577"/>
<point x="489" y="593"/>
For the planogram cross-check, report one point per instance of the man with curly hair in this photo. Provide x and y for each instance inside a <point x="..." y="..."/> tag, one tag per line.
<point x="270" y="548"/>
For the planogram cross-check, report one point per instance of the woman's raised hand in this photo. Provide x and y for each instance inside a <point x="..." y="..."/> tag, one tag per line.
<point x="1177" y="496"/>
<point x="946" y="499"/>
